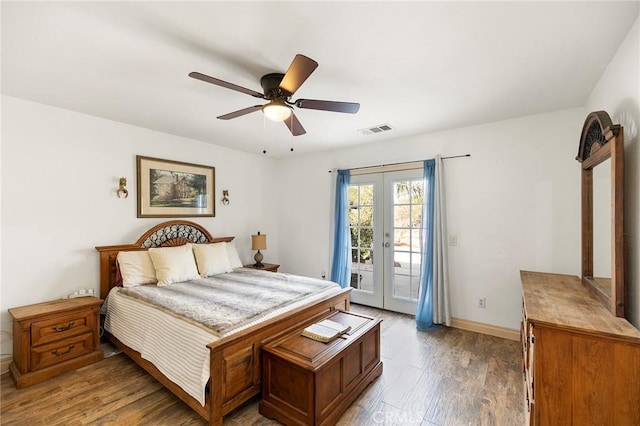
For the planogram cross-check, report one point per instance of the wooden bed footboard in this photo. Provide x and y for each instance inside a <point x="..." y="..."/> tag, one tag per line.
<point x="237" y="358"/>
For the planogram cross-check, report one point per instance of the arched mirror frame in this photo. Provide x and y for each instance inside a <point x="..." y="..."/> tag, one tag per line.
<point x="601" y="140"/>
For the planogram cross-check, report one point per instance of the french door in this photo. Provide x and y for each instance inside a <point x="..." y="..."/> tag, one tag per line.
<point x="385" y="222"/>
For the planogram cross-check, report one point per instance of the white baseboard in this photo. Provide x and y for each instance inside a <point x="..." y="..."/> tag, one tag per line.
<point x="4" y="364"/>
<point x="491" y="330"/>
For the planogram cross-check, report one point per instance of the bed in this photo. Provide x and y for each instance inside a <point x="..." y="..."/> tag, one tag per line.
<point x="234" y="370"/>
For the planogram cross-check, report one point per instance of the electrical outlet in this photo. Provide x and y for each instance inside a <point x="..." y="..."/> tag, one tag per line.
<point x="81" y="292"/>
<point x="482" y="302"/>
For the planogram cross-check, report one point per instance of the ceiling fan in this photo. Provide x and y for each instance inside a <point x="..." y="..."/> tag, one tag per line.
<point x="278" y="89"/>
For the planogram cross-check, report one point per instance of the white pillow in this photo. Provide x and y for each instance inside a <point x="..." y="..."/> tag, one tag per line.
<point x="174" y="264"/>
<point x="234" y="258"/>
<point x="212" y="259"/>
<point x="136" y="268"/>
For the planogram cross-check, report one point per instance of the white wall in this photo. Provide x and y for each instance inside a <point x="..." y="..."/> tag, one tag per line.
<point x="514" y="204"/>
<point x="618" y="93"/>
<point x="60" y="171"/>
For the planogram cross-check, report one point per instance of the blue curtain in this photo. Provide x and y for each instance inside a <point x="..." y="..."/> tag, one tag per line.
<point x="424" y="311"/>
<point x="341" y="263"/>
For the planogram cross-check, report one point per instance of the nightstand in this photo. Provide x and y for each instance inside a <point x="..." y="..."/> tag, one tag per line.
<point x="54" y="337"/>
<point x="271" y="267"/>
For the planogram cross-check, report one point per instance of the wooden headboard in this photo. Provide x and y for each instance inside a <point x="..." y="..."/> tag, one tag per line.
<point x="166" y="234"/>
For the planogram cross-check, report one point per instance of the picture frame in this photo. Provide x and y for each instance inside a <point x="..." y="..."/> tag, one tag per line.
<point x="169" y="188"/>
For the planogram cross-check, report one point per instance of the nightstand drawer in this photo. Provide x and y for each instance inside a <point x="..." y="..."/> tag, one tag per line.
<point x="61" y="327"/>
<point x="55" y="353"/>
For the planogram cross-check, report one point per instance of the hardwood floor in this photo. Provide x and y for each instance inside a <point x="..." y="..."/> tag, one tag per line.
<point x="445" y="377"/>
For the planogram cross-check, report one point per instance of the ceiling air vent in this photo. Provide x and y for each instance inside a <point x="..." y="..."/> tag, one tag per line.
<point x="376" y="129"/>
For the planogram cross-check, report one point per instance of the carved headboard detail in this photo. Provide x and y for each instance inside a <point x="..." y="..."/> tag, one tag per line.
<point x="166" y="234"/>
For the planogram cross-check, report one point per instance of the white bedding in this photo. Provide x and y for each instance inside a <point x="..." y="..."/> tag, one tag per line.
<point x="175" y="346"/>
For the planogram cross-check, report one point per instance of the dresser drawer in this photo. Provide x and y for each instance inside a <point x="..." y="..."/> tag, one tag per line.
<point x="57" y="352"/>
<point x="61" y="327"/>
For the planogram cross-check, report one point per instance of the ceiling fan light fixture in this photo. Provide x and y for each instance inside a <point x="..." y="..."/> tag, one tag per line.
<point x="277" y="111"/>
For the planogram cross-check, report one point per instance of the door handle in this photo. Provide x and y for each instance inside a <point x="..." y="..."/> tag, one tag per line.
<point x="386" y="245"/>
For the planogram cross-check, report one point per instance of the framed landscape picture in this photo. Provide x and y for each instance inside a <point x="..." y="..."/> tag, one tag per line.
<point x="173" y="189"/>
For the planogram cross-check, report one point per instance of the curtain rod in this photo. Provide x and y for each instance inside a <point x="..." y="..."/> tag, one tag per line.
<point x="406" y="162"/>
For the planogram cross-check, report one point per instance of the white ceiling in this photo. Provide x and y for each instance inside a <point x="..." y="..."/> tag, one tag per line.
<point x="418" y="66"/>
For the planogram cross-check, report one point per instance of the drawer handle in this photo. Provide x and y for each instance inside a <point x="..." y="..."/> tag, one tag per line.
<point x="56" y="353"/>
<point x="59" y="329"/>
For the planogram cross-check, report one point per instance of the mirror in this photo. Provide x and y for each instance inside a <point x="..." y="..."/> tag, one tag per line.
<point x="602" y="226"/>
<point x="601" y="155"/>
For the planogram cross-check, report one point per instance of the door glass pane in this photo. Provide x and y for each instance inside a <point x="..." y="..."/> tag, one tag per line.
<point x="416" y="215"/>
<point x="366" y="271"/>
<point x="401" y="237"/>
<point x="402" y="192"/>
<point x="416" y="245"/>
<point x="366" y="195"/>
<point x="417" y="191"/>
<point x="366" y="237"/>
<point x="401" y="270"/>
<point x="366" y="216"/>
<point x="354" y="237"/>
<point x="353" y="194"/>
<point x="361" y="224"/>
<point x="415" y="287"/>
<point x="401" y="216"/>
<point x="407" y="212"/>
<point x="416" y="259"/>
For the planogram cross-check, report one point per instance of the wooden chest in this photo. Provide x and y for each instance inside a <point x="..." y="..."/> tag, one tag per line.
<point x="53" y="337"/>
<point x="306" y="382"/>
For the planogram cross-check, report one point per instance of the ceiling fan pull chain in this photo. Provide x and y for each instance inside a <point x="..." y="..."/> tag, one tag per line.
<point x="291" y="134"/>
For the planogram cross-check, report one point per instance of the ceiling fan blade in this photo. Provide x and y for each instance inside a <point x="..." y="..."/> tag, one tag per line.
<point x="300" y="69"/>
<point x="225" y="84"/>
<point x="294" y="125"/>
<point x="348" y="107"/>
<point x="240" y="112"/>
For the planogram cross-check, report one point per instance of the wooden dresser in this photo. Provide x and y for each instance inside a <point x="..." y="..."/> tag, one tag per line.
<point x="306" y="382"/>
<point x="53" y="337"/>
<point x="581" y="363"/>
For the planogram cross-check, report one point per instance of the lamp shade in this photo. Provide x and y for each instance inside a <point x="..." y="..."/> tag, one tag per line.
<point x="258" y="242"/>
<point x="277" y="111"/>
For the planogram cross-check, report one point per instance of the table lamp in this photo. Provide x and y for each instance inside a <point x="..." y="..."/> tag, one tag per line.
<point x="258" y="242"/>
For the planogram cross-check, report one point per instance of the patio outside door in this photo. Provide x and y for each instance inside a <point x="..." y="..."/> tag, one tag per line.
<point x="384" y="217"/>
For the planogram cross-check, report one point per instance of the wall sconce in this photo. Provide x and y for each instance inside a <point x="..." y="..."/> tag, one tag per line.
<point x="225" y="197"/>
<point x="258" y="242"/>
<point x="121" y="187"/>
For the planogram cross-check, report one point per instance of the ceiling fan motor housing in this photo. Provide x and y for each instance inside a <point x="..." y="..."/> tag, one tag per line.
<point x="271" y="85"/>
